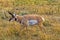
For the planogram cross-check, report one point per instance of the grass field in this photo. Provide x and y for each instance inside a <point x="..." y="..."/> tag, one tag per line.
<point x="49" y="9"/>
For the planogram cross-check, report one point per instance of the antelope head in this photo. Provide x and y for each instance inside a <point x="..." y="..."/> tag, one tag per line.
<point x="13" y="18"/>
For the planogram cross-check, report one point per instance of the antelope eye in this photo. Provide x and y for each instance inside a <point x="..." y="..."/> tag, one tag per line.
<point x="15" y="19"/>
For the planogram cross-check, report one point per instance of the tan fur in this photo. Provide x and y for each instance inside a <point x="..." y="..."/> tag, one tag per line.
<point x="33" y="17"/>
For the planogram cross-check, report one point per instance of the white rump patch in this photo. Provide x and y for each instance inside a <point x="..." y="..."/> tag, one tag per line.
<point x="32" y="22"/>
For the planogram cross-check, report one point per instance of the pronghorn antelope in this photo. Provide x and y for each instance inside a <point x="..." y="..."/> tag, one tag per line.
<point x="27" y="20"/>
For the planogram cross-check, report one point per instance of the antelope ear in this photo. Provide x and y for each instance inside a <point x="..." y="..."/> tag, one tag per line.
<point x="14" y="15"/>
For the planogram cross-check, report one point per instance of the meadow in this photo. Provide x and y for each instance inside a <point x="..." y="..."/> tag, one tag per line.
<point x="49" y="9"/>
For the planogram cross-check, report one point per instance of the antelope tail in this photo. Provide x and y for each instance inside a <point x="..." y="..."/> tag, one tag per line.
<point x="43" y="19"/>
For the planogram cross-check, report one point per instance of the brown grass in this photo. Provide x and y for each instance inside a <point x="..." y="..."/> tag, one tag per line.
<point x="14" y="31"/>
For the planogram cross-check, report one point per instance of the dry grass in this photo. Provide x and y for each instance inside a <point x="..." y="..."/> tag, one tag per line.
<point x="50" y="10"/>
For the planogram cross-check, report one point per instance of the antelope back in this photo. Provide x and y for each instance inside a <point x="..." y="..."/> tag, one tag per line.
<point x="33" y="17"/>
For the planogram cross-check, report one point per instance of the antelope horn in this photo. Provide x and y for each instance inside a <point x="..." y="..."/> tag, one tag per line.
<point x="11" y="14"/>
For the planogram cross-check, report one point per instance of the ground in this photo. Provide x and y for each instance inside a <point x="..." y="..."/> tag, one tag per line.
<point x="49" y="9"/>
